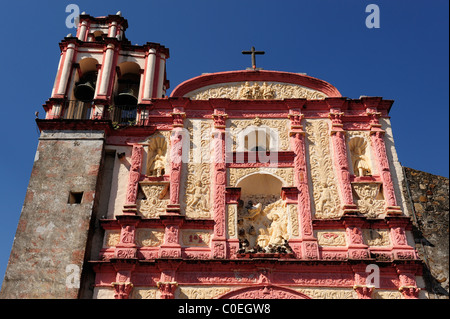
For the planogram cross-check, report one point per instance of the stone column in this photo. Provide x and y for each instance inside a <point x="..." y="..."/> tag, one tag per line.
<point x="340" y="158"/>
<point x="106" y="71"/>
<point x="356" y="247"/>
<point x="407" y="276"/>
<point x="309" y="246"/>
<point x="123" y="285"/>
<point x="378" y="145"/>
<point x="218" y="185"/>
<point x="68" y="59"/>
<point x="149" y="74"/>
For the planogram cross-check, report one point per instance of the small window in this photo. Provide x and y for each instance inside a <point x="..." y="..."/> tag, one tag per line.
<point x="75" y="197"/>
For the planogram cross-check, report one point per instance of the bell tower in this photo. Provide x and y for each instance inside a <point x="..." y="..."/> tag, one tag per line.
<point x="99" y="67"/>
<point x="102" y="83"/>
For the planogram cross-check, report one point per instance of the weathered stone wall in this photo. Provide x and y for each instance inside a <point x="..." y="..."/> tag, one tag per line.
<point x="52" y="233"/>
<point x="428" y="197"/>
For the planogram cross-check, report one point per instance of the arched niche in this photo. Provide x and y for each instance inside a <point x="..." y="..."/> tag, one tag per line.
<point x="262" y="216"/>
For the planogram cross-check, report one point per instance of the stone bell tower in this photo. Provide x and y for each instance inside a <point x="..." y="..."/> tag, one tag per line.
<point x="101" y="82"/>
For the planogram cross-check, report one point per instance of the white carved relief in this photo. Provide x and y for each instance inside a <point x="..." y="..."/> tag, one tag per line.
<point x="156" y="199"/>
<point x="195" y="194"/>
<point x="263" y="225"/>
<point x="149" y="237"/>
<point x="200" y="292"/>
<point x="231" y="220"/>
<point x="293" y="215"/>
<point x="143" y="293"/>
<point x="369" y="199"/>
<point x="376" y="237"/>
<point x="327" y="293"/>
<point x="255" y="90"/>
<point x="197" y="198"/>
<point x="325" y="192"/>
<point x="111" y="239"/>
<point x="387" y="294"/>
<point x="330" y="238"/>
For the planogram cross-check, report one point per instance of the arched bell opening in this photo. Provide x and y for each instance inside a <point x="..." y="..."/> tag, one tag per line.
<point x="127" y="92"/>
<point x="80" y="105"/>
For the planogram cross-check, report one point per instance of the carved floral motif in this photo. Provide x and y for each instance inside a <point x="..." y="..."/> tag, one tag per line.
<point x="155" y="200"/>
<point x="325" y="193"/>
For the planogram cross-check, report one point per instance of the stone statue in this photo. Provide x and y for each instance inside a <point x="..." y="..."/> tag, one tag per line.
<point x="157" y="163"/>
<point x="360" y="161"/>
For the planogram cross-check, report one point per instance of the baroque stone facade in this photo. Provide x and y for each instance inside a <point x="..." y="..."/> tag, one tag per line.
<point x="241" y="184"/>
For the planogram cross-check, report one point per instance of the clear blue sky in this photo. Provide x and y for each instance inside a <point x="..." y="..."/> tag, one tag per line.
<point x="406" y="59"/>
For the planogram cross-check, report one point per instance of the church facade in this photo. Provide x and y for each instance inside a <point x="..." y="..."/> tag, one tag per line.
<point x="241" y="184"/>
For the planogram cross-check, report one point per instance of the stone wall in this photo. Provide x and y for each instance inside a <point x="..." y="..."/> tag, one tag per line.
<point x="48" y="253"/>
<point x="428" y="204"/>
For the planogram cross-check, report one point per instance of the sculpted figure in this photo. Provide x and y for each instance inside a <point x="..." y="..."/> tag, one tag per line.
<point x="199" y="196"/>
<point x="360" y="161"/>
<point x="246" y="91"/>
<point x="157" y="164"/>
<point x="277" y="231"/>
<point x="267" y="92"/>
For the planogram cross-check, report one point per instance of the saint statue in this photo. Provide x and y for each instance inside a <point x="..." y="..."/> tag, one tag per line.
<point x="157" y="163"/>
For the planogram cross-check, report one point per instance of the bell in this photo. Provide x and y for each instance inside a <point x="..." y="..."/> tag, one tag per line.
<point x="128" y="96"/>
<point x="85" y="88"/>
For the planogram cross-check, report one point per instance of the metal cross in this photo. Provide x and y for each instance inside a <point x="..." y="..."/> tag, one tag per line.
<point x="253" y="53"/>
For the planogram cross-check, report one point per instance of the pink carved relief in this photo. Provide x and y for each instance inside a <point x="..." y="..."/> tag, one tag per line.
<point x="176" y="153"/>
<point x="134" y="175"/>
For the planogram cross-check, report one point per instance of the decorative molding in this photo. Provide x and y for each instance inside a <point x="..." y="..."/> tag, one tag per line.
<point x="255" y="90"/>
<point x="284" y="174"/>
<point x="330" y="238"/>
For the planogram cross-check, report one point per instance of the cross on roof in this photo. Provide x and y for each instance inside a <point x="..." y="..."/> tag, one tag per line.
<point x="253" y="53"/>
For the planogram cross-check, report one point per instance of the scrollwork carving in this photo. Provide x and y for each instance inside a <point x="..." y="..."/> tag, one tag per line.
<point x="256" y="90"/>
<point x="325" y="193"/>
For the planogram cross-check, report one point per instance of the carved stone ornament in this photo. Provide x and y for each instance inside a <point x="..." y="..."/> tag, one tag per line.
<point x="195" y="238"/>
<point x="325" y="192"/>
<point x="376" y="237"/>
<point x="201" y="292"/>
<point x="358" y="145"/>
<point x="368" y="200"/>
<point x="330" y="238"/>
<point x="149" y="237"/>
<point x="156" y="199"/>
<point x="263" y="228"/>
<point x="157" y="156"/>
<point x="255" y="90"/>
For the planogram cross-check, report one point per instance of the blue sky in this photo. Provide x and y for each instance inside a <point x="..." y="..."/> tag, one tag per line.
<point x="406" y="59"/>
